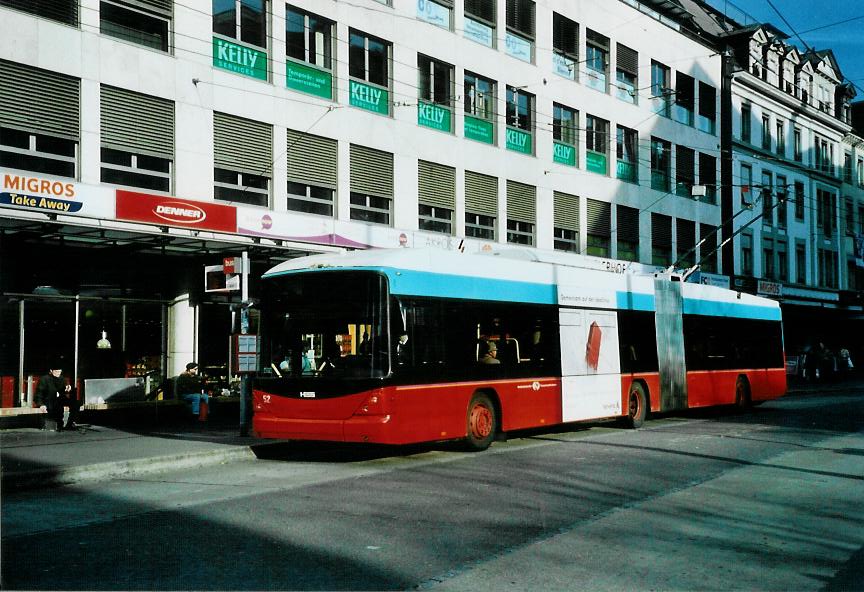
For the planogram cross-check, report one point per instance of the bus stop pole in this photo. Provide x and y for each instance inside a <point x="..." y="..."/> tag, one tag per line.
<point x="245" y="390"/>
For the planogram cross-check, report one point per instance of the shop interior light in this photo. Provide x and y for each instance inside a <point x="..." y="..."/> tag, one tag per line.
<point x="103" y="343"/>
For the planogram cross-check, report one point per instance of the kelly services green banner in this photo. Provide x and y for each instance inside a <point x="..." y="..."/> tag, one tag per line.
<point x="239" y="58"/>
<point x="479" y="129"/>
<point x="370" y="98"/>
<point x="309" y="80"/>
<point x="434" y="116"/>
<point x="519" y="141"/>
<point x="564" y="154"/>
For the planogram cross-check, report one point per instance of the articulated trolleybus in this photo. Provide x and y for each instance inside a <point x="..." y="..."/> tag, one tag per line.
<point x="396" y="347"/>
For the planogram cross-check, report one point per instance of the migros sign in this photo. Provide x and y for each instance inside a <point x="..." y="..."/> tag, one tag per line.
<point x="35" y="193"/>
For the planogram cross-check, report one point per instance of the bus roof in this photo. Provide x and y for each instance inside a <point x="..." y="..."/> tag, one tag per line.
<point x="520" y="276"/>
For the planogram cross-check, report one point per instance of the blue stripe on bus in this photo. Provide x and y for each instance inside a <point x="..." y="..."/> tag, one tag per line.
<point x="424" y="283"/>
<point x="731" y="309"/>
<point x="634" y="301"/>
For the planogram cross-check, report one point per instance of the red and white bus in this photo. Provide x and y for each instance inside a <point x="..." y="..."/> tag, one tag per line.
<point x="572" y="344"/>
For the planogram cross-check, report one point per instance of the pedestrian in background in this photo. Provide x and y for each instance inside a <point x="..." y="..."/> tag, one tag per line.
<point x="190" y="388"/>
<point x="54" y="394"/>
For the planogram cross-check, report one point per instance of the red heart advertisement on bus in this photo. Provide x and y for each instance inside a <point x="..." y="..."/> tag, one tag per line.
<point x="173" y="211"/>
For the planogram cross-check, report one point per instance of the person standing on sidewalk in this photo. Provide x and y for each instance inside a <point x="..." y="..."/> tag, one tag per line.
<point x="190" y="388"/>
<point x="53" y="394"/>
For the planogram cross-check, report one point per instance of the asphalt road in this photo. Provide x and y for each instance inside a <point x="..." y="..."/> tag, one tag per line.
<point x="771" y="500"/>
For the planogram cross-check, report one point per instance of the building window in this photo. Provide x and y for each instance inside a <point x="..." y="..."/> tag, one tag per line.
<point x="240" y="166"/>
<point x="780" y="131"/>
<point x="521" y="213"/>
<point x="436" y="196"/>
<point x="480" y="21"/>
<point x="708" y="248"/>
<point x="309" y="38"/>
<point x="599" y="228"/>
<point x="370" y="208"/>
<point x="479" y="96"/>
<point x="129" y="22"/>
<point x="627" y="151"/>
<point x="766" y="132"/>
<point x="707" y="120"/>
<point x="747" y="254"/>
<point x="371" y="184"/>
<point x="859" y="172"/>
<point x="38" y="153"/>
<point x="685" y="176"/>
<point x="63" y="11"/>
<point x="767" y="198"/>
<point x="746" y="186"/>
<point x="312" y="173"/>
<point x="565" y="46"/>
<point x="310" y="199"/>
<point x="782" y="207"/>
<point x="746" y="123"/>
<point x="566" y="214"/>
<point x="798" y="154"/>
<point x="597" y="143"/>
<point x="685" y="98"/>
<point x="435" y="91"/>
<point x="824" y="156"/>
<point x="481" y="205"/>
<point x="238" y="187"/>
<point x="799" y="200"/>
<point x="661" y="165"/>
<point x="768" y="259"/>
<point x="627" y="229"/>
<point x="847" y="168"/>
<point x="661" y="90"/>
<point x="479" y="226"/>
<point x="827" y="268"/>
<point x="520" y="120"/>
<point x="626" y="74"/>
<point x="436" y="12"/>
<point x="661" y="239"/>
<point x="565" y="123"/>
<point x="520" y="29"/>
<point x="243" y="20"/>
<point x="801" y="263"/>
<point x="850" y="217"/>
<point x="39" y="134"/>
<point x="135" y="170"/>
<point x="369" y="58"/>
<point x="826" y="208"/>
<point x="129" y="157"/>
<point x="708" y="176"/>
<point x="686" y="242"/>
<point x="597" y="60"/>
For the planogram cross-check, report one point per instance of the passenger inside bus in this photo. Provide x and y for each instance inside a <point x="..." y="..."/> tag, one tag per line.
<point x="491" y="354"/>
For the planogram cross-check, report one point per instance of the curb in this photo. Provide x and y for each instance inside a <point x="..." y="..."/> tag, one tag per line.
<point x="48" y="478"/>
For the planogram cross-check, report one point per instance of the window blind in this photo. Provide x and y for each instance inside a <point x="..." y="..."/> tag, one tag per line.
<point x="242" y="144"/>
<point x="566" y="211"/>
<point x="521" y="202"/>
<point x="436" y="185"/>
<point x="599" y="220"/>
<point x="312" y="159"/>
<point x="371" y="171"/>
<point x="481" y="194"/>
<point x="135" y="122"/>
<point x="36" y="100"/>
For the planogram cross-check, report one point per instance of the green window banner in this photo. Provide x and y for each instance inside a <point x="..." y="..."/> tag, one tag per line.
<point x="564" y="154"/>
<point x="239" y="58"/>
<point x="434" y="116"/>
<point x="312" y="81"/>
<point x="519" y="141"/>
<point x="370" y="98"/>
<point x="596" y="162"/>
<point x="479" y="130"/>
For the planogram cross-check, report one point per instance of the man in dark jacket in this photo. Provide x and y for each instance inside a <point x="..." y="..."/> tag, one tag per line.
<point x="53" y="394"/>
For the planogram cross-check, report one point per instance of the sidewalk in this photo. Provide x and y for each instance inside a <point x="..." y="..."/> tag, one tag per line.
<point x="31" y="458"/>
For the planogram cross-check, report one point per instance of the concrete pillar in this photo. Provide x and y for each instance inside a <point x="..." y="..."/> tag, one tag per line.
<point x="182" y="334"/>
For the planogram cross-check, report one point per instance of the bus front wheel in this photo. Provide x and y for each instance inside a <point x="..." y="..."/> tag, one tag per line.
<point x="637" y="406"/>
<point x="482" y="423"/>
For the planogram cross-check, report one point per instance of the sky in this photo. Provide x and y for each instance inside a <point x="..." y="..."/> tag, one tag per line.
<point x="808" y="18"/>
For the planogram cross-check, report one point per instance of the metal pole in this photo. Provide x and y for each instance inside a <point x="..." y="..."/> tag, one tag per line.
<point x="245" y="386"/>
<point x="23" y="390"/>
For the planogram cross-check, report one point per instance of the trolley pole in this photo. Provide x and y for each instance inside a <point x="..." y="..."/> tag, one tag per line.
<point x="245" y="380"/>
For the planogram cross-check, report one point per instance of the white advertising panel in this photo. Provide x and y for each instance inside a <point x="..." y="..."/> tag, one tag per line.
<point x="20" y="191"/>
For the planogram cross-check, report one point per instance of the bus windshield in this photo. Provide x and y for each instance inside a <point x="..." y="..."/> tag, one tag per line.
<point x="326" y="324"/>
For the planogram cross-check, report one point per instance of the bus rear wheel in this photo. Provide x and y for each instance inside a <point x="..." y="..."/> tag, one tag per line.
<point x="482" y="423"/>
<point x="743" y="400"/>
<point x="637" y="406"/>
